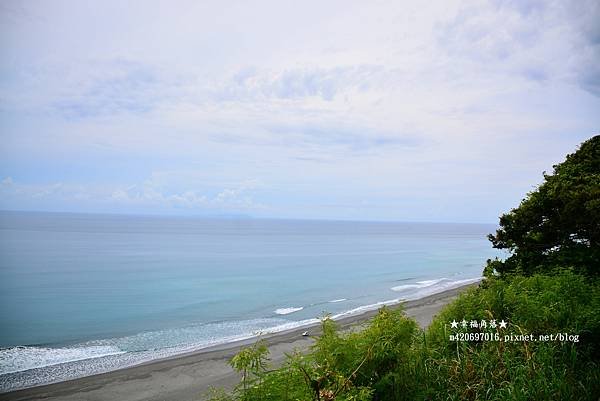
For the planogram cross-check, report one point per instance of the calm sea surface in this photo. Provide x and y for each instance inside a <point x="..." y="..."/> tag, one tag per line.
<point x="83" y="294"/>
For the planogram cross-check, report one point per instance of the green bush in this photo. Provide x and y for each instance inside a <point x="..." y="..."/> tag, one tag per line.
<point x="392" y="359"/>
<point x="369" y="359"/>
<point x="540" y="304"/>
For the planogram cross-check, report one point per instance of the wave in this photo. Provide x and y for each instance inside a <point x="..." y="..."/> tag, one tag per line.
<point x="287" y="311"/>
<point x="420" y="290"/>
<point x="366" y="308"/>
<point x="406" y="279"/>
<point x="194" y="337"/>
<point x="418" y="284"/>
<point x="424" y="288"/>
<point x="32" y="366"/>
<point x="16" y="359"/>
<point x="139" y="347"/>
<point x="29" y="366"/>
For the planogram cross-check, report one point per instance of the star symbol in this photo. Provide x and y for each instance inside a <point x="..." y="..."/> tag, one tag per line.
<point x="454" y="324"/>
<point x="503" y="324"/>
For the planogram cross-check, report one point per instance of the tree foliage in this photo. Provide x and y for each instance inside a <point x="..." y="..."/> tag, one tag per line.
<point x="251" y="362"/>
<point x="558" y="224"/>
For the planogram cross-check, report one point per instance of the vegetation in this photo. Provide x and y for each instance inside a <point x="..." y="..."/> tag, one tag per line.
<point x="558" y="224"/>
<point x="549" y="285"/>
<point x="394" y="360"/>
<point x="251" y="362"/>
<point x="563" y="302"/>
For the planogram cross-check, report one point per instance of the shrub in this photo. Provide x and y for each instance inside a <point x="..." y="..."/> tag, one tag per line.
<point x="541" y="304"/>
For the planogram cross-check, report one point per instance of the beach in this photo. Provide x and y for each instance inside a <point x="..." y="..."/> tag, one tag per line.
<point x="189" y="376"/>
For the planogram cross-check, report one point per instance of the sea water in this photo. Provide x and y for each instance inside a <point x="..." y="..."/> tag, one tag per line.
<point x="82" y="294"/>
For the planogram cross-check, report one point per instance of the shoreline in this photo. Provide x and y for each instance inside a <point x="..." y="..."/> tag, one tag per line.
<point x="188" y="375"/>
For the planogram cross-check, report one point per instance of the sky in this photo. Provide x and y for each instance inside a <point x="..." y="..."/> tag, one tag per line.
<point x="443" y="111"/>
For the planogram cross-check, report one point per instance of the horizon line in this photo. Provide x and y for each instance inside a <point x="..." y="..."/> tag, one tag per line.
<point x="240" y="216"/>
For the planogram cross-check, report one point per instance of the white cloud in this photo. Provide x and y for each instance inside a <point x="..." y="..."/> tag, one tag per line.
<point x="338" y="100"/>
<point x="147" y="195"/>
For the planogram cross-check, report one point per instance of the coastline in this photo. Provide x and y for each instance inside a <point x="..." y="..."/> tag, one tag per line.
<point x="188" y="376"/>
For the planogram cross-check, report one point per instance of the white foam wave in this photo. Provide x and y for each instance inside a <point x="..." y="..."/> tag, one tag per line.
<point x="366" y="308"/>
<point x="16" y="359"/>
<point x="425" y="288"/>
<point x="30" y="375"/>
<point x="334" y="301"/>
<point x="23" y="367"/>
<point x="418" y="284"/>
<point x="287" y="311"/>
<point x="108" y="354"/>
<point x="291" y="326"/>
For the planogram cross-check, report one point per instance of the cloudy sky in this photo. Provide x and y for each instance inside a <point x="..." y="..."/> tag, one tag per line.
<point x="376" y="110"/>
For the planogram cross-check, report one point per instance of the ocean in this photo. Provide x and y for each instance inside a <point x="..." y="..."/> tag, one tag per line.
<point x="82" y="294"/>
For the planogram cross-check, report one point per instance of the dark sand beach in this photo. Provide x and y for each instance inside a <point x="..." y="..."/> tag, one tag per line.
<point x="189" y="376"/>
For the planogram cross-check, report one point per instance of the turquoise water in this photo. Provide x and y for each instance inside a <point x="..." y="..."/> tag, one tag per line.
<point x="83" y="294"/>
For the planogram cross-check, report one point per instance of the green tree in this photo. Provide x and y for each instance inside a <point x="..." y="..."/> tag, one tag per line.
<point x="558" y="224"/>
<point x="251" y="362"/>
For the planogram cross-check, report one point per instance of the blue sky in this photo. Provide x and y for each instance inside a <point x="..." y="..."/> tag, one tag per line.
<point x="379" y="110"/>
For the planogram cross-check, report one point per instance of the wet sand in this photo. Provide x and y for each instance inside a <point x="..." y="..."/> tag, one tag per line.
<point x="189" y="376"/>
